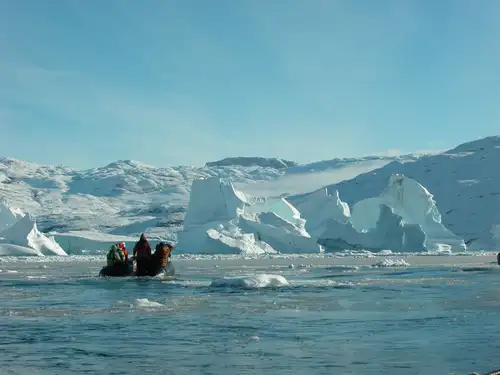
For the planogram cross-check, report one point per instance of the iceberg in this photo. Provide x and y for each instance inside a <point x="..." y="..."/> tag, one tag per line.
<point x="213" y="200"/>
<point x="280" y="234"/>
<point x="220" y="240"/>
<point x="281" y="207"/>
<point x="415" y="204"/>
<point x="90" y="242"/>
<point x="463" y="181"/>
<point x="320" y="207"/>
<point x="396" y="220"/>
<point x="25" y="233"/>
<point x="221" y="220"/>
<point x="210" y="223"/>
<point x="16" y="250"/>
<point x="250" y="281"/>
<point x="390" y="233"/>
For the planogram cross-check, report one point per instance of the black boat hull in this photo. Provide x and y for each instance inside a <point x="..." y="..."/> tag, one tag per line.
<point x="128" y="270"/>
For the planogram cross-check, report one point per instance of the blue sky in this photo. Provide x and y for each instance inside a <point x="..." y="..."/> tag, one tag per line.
<point x="86" y="82"/>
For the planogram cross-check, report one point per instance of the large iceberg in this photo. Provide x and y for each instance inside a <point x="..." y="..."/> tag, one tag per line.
<point x="321" y="207"/>
<point x="415" y="205"/>
<point x="390" y="232"/>
<point x="403" y="218"/>
<point x="220" y="219"/>
<point x="280" y="234"/>
<point x="282" y="208"/>
<point x="213" y="200"/>
<point x="210" y="223"/>
<point x="25" y="234"/>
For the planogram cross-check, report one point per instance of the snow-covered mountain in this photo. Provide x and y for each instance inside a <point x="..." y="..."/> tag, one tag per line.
<point x="128" y="197"/>
<point x="464" y="182"/>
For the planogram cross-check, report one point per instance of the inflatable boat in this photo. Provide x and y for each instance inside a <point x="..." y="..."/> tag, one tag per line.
<point x="129" y="270"/>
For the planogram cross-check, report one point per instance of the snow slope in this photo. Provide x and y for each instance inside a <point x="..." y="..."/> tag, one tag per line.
<point x="464" y="181"/>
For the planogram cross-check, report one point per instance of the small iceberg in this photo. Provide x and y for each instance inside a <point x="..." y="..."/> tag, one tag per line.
<point x="392" y="263"/>
<point x="250" y="281"/>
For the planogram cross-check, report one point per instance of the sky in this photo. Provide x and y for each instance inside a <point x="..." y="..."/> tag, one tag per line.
<point x="87" y="82"/>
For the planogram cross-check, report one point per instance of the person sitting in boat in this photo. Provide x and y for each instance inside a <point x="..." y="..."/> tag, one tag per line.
<point x="161" y="258"/>
<point x="123" y="247"/>
<point x="142" y="254"/>
<point x="116" y="256"/>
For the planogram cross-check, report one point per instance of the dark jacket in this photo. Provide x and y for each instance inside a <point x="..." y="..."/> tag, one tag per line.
<point x="142" y="250"/>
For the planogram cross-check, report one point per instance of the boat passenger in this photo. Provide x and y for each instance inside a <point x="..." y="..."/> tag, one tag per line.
<point x="116" y="256"/>
<point x="142" y="254"/>
<point x="161" y="257"/>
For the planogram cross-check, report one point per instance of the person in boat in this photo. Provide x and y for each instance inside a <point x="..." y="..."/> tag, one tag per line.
<point x="123" y="247"/>
<point x="117" y="256"/>
<point x="161" y="258"/>
<point x="142" y="254"/>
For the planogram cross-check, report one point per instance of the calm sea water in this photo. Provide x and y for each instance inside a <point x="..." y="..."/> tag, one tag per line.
<point x="59" y="318"/>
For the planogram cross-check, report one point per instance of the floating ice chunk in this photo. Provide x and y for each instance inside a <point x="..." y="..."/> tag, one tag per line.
<point x="392" y="263"/>
<point x="146" y="304"/>
<point x="251" y="281"/>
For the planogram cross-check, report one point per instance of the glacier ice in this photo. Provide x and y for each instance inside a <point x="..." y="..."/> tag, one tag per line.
<point x="280" y="234"/>
<point x="415" y="204"/>
<point x="210" y="222"/>
<point x="403" y="218"/>
<point x="217" y="222"/>
<point x="211" y="200"/>
<point x="319" y="207"/>
<point x="25" y="233"/>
